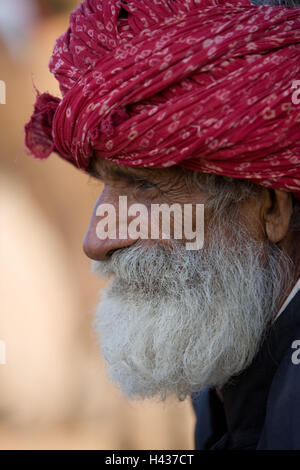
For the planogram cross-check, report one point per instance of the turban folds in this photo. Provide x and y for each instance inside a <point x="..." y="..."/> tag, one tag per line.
<point x="204" y="84"/>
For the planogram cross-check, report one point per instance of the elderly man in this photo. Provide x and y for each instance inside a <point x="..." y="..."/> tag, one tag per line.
<point x="192" y="102"/>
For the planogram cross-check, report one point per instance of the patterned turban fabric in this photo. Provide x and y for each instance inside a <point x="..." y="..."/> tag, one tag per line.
<point x="203" y="84"/>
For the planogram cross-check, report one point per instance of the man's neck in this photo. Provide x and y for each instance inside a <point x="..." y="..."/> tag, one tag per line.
<point x="287" y="299"/>
<point x="291" y="248"/>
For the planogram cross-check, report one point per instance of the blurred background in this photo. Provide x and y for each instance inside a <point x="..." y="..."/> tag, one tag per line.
<point x="54" y="393"/>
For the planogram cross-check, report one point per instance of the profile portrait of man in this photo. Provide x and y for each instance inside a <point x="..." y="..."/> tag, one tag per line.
<point x="191" y="103"/>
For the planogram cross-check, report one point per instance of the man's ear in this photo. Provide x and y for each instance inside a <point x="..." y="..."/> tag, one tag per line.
<point x="277" y="209"/>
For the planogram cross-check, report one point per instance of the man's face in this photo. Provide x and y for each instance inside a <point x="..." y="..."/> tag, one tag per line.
<point x="173" y="321"/>
<point x="140" y="186"/>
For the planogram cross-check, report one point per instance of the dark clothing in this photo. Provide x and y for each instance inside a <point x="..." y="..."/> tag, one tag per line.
<point x="261" y="408"/>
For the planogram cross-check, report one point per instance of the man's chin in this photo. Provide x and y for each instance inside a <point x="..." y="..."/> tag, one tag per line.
<point x="139" y="290"/>
<point x="150" y="354"/>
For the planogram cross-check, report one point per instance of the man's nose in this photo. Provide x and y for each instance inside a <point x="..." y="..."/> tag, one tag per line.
<point x="99" y="249"/>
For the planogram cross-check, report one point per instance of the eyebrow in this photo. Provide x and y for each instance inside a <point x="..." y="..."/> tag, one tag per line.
<point x="117" y="172"/>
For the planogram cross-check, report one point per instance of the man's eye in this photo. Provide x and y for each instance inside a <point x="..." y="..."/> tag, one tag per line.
<point x="143" y="185"/>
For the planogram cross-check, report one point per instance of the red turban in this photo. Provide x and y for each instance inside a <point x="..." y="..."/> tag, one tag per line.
<point x="204" y="84"/>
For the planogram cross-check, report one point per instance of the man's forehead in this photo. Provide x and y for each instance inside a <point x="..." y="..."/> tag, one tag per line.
<point x="102" y="168"/>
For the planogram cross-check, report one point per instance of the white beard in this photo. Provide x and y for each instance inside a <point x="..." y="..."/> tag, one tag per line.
<point x="176" y="322"/>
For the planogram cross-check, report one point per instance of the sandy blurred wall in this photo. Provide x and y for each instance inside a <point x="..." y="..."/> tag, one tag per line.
<point x="54" y="393"/>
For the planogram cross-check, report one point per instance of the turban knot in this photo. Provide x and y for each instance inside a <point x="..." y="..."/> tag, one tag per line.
<point x="204" y="84"/>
